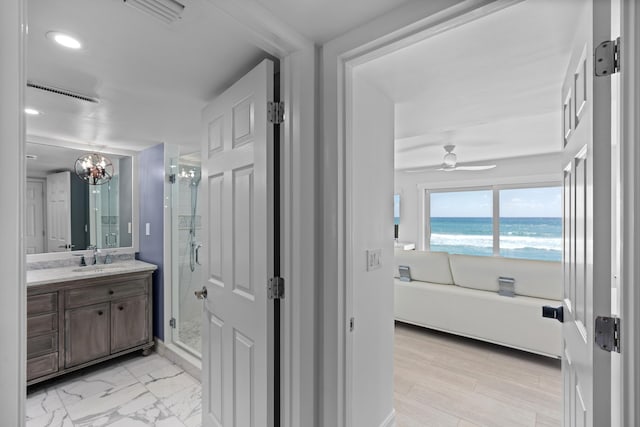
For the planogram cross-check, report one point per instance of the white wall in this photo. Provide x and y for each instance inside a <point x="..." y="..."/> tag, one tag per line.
<point x="371" y="204"/>
<point x="541" y="168"/>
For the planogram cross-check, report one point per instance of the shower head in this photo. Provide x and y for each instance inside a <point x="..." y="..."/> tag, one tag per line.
<point x="193" y="175"/>
<point x="196" y="178"/>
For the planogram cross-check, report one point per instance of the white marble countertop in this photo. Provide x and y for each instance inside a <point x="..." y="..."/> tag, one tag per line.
<point x="63" y="274"/>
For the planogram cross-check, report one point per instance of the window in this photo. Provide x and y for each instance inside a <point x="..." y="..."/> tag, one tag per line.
<point x="506" y="221"/>
<point x="461" y="222"/>
<point x="531" y="223"/>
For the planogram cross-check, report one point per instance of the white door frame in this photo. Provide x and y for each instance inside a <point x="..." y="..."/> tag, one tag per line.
<point x="13" y="316"/>
<point x="374" y="40"/>
<point x="630" y="212"/>
<point x="298" y="86"/>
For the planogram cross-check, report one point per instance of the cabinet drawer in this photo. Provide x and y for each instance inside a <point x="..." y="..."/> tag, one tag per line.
<point x="44" y="344"/>
<point x="39" y="304"/>
<point x="38" y="325"/>
<point x="101" y="293"/>
<point x="43" y="365"/>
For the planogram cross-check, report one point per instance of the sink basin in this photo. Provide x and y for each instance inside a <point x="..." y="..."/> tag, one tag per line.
<point x="97" y="268"/>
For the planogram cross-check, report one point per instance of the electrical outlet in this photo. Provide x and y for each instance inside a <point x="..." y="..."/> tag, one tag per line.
<point x="374" y="259"/>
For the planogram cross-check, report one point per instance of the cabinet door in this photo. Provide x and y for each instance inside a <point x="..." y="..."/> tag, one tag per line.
<point x="129" y="323"/>
<point x="86" y="334"/>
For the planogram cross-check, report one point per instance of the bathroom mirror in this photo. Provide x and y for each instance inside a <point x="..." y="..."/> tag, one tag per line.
<point x="65" y="213"/>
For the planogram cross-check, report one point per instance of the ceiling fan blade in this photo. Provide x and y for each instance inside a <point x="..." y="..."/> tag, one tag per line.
<point x="474" y="168"/>
<point x="420" y="170"/>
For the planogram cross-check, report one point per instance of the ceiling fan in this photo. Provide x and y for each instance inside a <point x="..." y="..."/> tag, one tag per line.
<point x="450" y="162"/>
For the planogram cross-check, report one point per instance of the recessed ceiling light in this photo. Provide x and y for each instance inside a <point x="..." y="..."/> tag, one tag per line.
<point x="32" y="112"/>
<point x="64" y="40"/>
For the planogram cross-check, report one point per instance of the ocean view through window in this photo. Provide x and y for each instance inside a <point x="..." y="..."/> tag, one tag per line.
<point x="529" y="222"/>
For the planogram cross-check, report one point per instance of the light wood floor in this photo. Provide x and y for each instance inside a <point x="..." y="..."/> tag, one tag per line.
<point x="446" y="380"/>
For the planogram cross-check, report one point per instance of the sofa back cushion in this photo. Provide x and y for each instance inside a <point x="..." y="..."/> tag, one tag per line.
<point x="430" y="267"/>
<point x="540" y="279"/>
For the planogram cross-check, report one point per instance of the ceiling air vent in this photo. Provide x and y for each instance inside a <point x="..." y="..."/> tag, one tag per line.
<point x="168" y="11"/>
<point x="63" y="92"/>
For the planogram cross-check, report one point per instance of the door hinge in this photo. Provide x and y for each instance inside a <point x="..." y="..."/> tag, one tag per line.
<point x="275" y="289"/>
<point x="608" y="333"/>
<point x="172" y="322"/>
<point x="275" y="112"/>
<point x="172" y="178"/>
<point x="352" y="324"/>
<point x="607" y="58"/>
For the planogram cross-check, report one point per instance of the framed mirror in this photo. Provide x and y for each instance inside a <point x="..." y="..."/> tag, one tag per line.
<point x="65" y="213"/>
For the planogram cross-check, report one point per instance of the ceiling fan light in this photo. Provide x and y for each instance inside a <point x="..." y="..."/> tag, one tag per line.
<point x="450" y="159"/>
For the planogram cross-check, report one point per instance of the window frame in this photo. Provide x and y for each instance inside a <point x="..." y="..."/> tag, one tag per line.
<point x="424" y="238"/>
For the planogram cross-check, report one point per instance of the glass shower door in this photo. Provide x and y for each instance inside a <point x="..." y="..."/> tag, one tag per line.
<point x="186" y="237"/>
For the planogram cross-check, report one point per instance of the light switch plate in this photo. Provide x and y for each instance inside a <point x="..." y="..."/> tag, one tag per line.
<point x="374" y="259"/>
<point x="147" y="230"/>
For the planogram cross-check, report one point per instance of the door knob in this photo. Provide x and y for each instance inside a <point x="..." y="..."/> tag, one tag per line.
<point x="201" y="294"/>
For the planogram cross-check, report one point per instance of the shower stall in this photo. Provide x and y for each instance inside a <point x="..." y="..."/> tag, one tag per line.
<point x="186" y="230"/>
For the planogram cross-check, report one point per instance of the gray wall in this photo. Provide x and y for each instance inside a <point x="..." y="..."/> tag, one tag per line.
<point x="152" y="177"/>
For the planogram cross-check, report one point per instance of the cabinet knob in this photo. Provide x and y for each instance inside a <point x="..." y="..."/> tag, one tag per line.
<point x="100" y="313"/>
<point x="121" y="308"/>
<point x="110" y="291"/>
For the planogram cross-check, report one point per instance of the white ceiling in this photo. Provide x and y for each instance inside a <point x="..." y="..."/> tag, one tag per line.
<point x="491" y="87"/>
<point x="152" y="79"/>
<point x="324" y="20"/>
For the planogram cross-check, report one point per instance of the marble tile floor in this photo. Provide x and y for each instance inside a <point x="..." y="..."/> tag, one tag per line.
<point x="131" y="391"/>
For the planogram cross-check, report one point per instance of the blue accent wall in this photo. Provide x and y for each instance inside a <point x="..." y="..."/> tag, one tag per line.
<point x="151" y="176"/>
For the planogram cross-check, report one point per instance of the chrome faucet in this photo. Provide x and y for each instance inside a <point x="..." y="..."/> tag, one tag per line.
<point x="95" y="253"/>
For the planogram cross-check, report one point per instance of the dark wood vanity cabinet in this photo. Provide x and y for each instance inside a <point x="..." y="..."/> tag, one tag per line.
<point x="77" y="323"/>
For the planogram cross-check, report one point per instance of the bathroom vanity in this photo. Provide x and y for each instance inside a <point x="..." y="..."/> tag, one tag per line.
<point x="79" y="316"/>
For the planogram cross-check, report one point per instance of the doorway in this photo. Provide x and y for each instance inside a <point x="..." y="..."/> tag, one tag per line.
<point x="426" y="128"/>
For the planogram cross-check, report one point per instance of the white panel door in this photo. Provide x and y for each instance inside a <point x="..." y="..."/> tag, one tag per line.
<point x="34" y="220"/>
<point x="586" y="146"/>
<point x="237" y="182"/>
<point x="59" y="212"/>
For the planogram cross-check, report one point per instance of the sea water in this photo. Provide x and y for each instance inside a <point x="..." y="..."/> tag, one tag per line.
<point x="530" y="238"/>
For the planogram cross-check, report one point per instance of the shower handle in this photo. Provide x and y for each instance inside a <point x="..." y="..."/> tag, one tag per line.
<point x="197" y="251"/>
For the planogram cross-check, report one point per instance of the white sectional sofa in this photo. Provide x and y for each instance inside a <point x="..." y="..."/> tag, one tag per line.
<point x="459" y="294"/>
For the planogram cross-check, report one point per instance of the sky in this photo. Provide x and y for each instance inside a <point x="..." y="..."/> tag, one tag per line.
<point x="514" y="203"/>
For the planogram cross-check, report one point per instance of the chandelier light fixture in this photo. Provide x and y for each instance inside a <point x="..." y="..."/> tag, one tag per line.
<point x="94" y="168"/>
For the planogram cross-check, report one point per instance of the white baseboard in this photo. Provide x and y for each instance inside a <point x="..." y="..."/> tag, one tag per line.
<point x="390" y="421"/>
<point x="191" y="364"/>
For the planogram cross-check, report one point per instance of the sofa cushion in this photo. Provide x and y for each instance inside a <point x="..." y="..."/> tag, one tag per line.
<point x="515" y="322"/>
<point x="425" y="266"/>
<point x="533" y="278"/>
